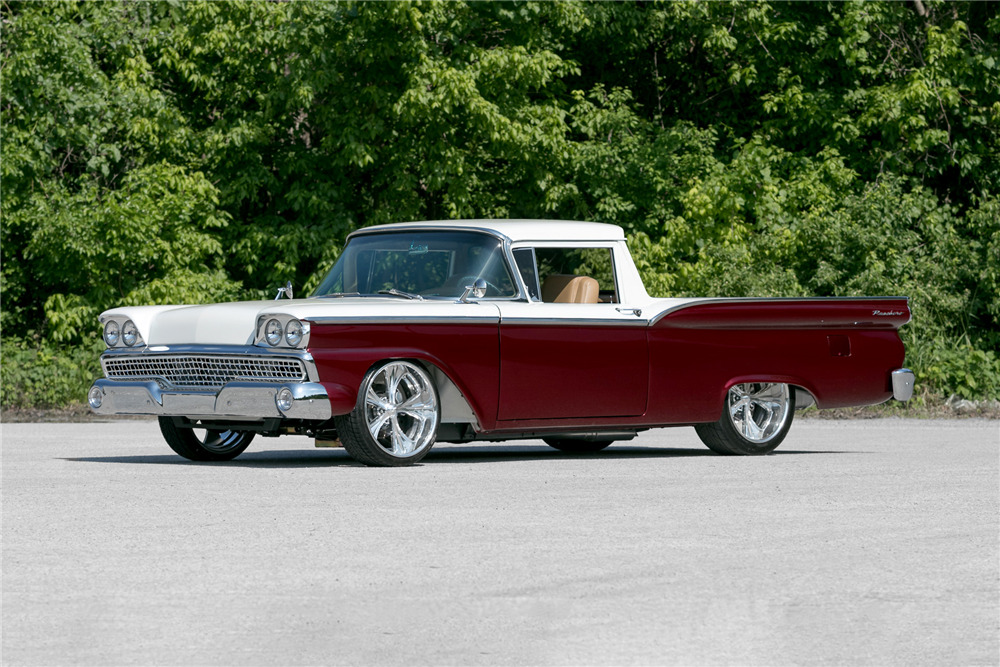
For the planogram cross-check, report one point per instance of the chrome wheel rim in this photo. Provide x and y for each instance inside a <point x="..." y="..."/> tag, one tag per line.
<point x="401" y="409"/>
<point x="220" y="442"/>
<point x="758" y="410"/>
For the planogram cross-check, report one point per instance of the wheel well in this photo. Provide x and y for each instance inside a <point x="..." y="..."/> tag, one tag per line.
<point x="803" y="399"/>
<point x="455" y="408"/>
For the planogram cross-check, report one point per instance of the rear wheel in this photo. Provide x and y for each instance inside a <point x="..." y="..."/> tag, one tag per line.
<point x="580" y="446"/>
<point x="204" y="444"/>
<point x="755" y="419"/>
<point x="395" y="420"/>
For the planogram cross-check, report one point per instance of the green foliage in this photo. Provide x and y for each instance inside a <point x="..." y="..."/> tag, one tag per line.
<point x="203" y="151"/>
<point x="960" y="369"/>
<point x="39" y="374"/>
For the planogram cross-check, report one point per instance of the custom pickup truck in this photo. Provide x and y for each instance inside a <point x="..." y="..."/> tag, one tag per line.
<point x="489" y="330"/>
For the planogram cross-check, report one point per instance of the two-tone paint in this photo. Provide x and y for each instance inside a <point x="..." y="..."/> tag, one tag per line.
<point x="518" y="373"/>
<point x="510" y="367"/>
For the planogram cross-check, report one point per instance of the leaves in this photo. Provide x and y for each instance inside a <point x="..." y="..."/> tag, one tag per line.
<point x="200" y="151"/>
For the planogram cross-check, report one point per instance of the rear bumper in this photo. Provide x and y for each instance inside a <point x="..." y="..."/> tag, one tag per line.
<point x="236" y="400"/>
<point x="902" y="384"/>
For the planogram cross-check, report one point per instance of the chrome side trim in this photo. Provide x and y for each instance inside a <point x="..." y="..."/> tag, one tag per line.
<point x="902" y="384"/>
<point x="243" y="400"/>
<point x="458" y="320"/>
<point x="574" y="321"/>
<point x="767" y="299"/>
<point x="403" y="319"/>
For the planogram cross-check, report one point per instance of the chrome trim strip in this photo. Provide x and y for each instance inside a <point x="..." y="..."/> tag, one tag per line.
<point x="457" y="320"/>
<point x="245" y="400"/>
<point x="902" y="384"/>
<point x="221" y="350"/>
<point x="575" y="321"/>
<point x="777" y="299"/>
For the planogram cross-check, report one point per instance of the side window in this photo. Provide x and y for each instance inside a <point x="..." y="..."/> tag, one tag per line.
<point x="525" y="260"/>
<point x="558" y="266"/>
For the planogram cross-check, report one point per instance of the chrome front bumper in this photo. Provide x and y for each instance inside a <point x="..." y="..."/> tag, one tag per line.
<point x="236" y="400"/>
<point x="902" y="384"/>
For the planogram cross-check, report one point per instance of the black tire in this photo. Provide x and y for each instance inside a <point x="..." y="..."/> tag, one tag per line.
<point x="394" y="422"/>
<point x="765" y="410"/>
<point x="577" y="446"/>
<point x="213" y="446"/>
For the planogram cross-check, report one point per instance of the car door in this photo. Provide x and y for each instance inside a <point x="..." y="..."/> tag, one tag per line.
<point x="569" y="360"/>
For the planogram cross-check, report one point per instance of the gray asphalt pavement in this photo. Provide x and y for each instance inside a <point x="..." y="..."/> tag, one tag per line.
<point x="864" y="542"/>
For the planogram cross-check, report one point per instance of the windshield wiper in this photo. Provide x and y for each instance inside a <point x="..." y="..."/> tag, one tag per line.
<point x="405" y="295"/>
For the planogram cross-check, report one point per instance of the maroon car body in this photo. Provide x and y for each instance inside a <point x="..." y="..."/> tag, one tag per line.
<point x="495" y="330"/>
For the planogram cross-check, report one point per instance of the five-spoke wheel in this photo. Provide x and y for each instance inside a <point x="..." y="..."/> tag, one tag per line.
<point x="755" y="419"/>
<point x="204" y="444"/>
<point x="396" y="417"/>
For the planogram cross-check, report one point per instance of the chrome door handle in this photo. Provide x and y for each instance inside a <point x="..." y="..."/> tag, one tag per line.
<point x="635" y="311"/>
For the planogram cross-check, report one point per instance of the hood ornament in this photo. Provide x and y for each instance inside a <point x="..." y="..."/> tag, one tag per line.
<point x="286" y="290"/>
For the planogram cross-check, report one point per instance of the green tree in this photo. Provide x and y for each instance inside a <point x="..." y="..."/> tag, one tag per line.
<point x="162" y="152"/>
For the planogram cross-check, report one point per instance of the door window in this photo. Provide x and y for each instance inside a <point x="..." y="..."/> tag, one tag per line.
<point x="559" y="263"/>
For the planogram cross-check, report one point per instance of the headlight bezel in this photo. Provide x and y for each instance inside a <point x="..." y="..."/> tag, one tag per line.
<point x="289" y="326"/>
<point x="119" y="331"/>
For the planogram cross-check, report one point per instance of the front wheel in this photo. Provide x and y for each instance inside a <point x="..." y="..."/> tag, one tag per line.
<point x="204" y="444"/>
<point x="755" y="419"/>
<point x="395" y="420"/>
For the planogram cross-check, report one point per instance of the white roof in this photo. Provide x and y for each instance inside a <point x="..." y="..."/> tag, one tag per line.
<point x="520" y="230"/>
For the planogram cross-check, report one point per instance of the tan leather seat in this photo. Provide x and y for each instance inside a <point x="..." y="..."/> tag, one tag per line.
<point x="563" y="288"/>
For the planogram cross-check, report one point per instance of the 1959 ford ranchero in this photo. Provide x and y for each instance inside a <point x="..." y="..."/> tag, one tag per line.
<point x="475" y="330"/>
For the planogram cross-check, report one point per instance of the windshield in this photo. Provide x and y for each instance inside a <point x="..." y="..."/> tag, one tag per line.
<point x="419" y="263"/>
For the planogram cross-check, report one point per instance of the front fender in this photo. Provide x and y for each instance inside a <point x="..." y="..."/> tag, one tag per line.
<point x="465" y="359"/>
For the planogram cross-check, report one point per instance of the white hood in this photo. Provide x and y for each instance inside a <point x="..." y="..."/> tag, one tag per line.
<point x="213" y="324"/>
<point x="236" y="323"/>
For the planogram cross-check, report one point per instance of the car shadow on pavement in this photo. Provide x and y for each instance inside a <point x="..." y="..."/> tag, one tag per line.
<point x="272" y="459"/>
<point x="495" y="454"/>
<point x="325" y="458"/>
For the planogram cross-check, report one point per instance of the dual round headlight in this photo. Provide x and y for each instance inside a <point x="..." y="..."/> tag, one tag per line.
<point x="130" y="334"/>
<point x="112" y="333"/>
<point x="292" y="333"/>
<point x="127" y="334"/>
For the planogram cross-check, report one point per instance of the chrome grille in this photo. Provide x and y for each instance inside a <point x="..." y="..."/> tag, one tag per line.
<point x="204" y="371"/>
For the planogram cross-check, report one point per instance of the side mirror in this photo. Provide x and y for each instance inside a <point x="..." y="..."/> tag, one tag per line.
<point x="477" y="290"/>
<point x="286" y="290"/>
